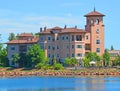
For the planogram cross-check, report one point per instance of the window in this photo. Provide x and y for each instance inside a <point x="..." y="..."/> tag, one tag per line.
<point x="79" y="38"/>
<point x="23" y="48"/>
<point x="86" y="37"/>
<point x="49" y="55"/>
<point x="97" y="41"/>
<point x="12" y="48"/>
<point x="49" y="47"/>
<point x="97" y="50"/>
<point x="57" y="38"/>
<point x="79" y="55"/>
<point x="67" y="55"/>
<point x="58" y="47"/>
<point x="13" y="63"/>
<point x="79" y="46"/>
<point x="12" y="56"/>
<point x="92" y="21"/>
<point x="97" y="21"/>
<point x="66" y="37"/>
<point x="62" y="37"/>
<point x="72" y="54"/>
<point x="49" y="38"/>
<point x="72" y="37"/>
<point x="67" y="46"/>
<point x="58" y="55"/>
<point x="41" y="38"/>
<point x="98" y="30"/>
<point x="72" y="46"/>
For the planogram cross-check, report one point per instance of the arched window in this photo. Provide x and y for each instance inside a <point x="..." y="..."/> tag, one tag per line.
<point x="97" y="21"/>
<point x="91" y="21"/>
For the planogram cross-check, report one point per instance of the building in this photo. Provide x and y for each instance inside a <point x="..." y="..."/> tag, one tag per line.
<point x="61" y="43"/>
<point x="21" y="45"/>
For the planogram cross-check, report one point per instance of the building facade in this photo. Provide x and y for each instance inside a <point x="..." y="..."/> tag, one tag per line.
<point x="73" y="42"/>
<point x="20" y="46"/>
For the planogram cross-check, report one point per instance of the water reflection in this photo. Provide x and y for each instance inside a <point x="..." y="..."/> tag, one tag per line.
<point x="59" y="84"/>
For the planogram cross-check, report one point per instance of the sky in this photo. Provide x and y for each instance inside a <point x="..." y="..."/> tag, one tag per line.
<point x="20" y="16"/>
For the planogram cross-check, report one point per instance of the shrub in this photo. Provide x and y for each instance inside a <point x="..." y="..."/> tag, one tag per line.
<point x="58" y="66"/>
<point x="39" y="65"/>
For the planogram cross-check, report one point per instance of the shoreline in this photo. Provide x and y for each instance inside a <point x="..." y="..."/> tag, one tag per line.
<point x="60" y="73"/>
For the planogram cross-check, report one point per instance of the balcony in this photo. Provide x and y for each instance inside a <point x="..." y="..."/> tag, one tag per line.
<point x="87" y="48"/>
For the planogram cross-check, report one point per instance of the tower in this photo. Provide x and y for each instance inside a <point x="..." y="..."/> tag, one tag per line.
<point x="95" y="26"/>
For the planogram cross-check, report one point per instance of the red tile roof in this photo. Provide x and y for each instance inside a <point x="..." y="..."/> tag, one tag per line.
<point x="25" y="35"/>
<point x="94" y="13"/>
<point x="56" y="28"/>
<point x="29" y="41"/>
<point x="73" y="30"/>
<point x="63" y="30"/>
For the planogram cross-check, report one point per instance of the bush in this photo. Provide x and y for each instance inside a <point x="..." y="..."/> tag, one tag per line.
<point x="39" y="65"/>
<point x="58" y="66"/>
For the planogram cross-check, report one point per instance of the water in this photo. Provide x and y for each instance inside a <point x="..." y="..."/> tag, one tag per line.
<point x="59" y="84"/>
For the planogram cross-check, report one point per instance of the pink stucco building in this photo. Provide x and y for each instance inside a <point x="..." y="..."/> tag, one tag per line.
<point x="64" y="42"/>
<point x="73" y="42"/>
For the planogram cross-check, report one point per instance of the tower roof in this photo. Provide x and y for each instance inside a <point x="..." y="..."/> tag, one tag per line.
<point x="94" y="13"/>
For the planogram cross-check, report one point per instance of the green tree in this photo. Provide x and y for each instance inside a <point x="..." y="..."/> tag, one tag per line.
<point x="11" y="36"/>
<point x="15" y="58"/>
<point x="67" y="61"/>
<point x="3" y="54"/>
<point x="23" y="62"/>
<point x="35" y="55"/>
<point x="70" y="61"/>
<point x="58" y="66"/>
<point x="3" y="57"/>
<point x="86" y="62"/>
<point x="112" y="48"/>
<point x="106" y="58"/>
<point x="116" y="62"/>
<point x="93" y="56"/>
<point x="73" y="61"/>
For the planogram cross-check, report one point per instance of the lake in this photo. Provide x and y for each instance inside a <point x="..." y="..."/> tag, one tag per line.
<point x="60" y="84"/>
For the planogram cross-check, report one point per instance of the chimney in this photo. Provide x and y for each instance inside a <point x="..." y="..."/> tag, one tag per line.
<point x="44" y="29"/>
<point x="65" y="27"/>
<point x="76" y="27"/>
<point x="41" y="29"/>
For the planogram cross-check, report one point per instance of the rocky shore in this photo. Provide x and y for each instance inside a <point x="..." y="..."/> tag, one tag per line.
<point x="65" y="73"/>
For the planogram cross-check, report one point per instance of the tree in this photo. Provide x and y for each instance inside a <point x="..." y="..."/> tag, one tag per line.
<point x="116" y="62"/>
<point x="3" y="57"/>
<point x="23" y="62"/>
<point x="106" y="58"/>
<point x="112" y="48"/>
<point x="70" y="62"/>
<point x="86" y="62"/>
<point x="93" y="56"/>
<point x="11" y="36"/>
<point x="35" y="55"/>
<point x="73" y="61"/>
<point x="15" y="58"/>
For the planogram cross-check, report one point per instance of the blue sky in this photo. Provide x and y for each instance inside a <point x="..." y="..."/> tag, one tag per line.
<point x="29" y="15"/>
